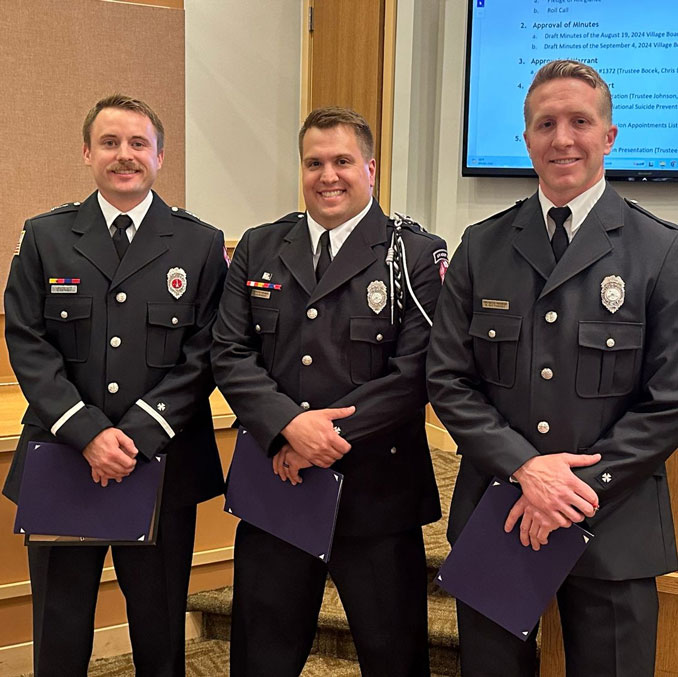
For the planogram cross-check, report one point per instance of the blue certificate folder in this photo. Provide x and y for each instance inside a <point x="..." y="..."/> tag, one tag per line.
<point x="303" y="515"/>
<point x="60" y="503"/>
<point x="495" y="574"/>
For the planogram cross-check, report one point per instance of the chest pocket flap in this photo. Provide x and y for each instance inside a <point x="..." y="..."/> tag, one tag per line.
<point x="167" y="323"/>
<point x="608" y="357"/>
<point x="171" y="314"/>
<point x="68" y="321"/>
<point x="495" y="346"/>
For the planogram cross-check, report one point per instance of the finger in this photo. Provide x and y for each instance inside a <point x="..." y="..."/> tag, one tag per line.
<point x="339" y="412"/>
<point x="581" y="460"/>
<point x="525" y="525"/>
<point x="514" y="515"/>
<point x="126" y="443"/>
<point x="104" y="481"/>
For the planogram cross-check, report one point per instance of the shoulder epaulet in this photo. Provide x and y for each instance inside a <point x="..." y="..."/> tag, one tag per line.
<point x="292" y="217"/>
<point x="60" y="209"/>
<point x="634" y="205"/>
<point x="189" y="216"/>
<point x="517" y="204"/>
<point x="409" y="224"/>
<point x="184" y="213"/>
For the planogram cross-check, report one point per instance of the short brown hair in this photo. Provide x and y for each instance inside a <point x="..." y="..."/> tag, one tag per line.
<point x="333" y="116"/>
<point x="126" y="103"/>
<point x="565" y="68"/>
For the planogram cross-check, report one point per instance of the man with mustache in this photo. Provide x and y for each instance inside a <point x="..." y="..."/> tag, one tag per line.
<point x="554" y="362"/>
<point x="109" y="309"/>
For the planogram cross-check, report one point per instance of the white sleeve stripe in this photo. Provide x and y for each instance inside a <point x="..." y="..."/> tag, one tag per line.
<point x="62" y="419"/>
<point x="154" y="414"/>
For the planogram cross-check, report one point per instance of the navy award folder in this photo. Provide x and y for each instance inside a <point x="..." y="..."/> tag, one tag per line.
<point x="303" y="515"/>
<point x="495" y="574"/>
<point x="59" y="503"/>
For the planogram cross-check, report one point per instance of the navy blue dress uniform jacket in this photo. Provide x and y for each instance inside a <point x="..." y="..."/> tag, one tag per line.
<point x="264" y="339"/>
<point x="550" y="369"/>
<point x="156" y="383"/>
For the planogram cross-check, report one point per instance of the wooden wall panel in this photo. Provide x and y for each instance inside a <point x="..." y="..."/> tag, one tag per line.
<point x="58" y="58"/>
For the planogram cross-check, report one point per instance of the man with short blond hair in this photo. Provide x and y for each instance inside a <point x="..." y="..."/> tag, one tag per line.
<point x="554" y="363"/>
<point x="115" y="363"/>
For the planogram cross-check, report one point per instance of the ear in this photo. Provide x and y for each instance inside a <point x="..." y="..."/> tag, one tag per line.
<point x="86" y="155"/>
<point x="372" y="168"/>
<point x="610" y="137"/>
<point x="161" y="158"/>
<point x="527" y="141"/>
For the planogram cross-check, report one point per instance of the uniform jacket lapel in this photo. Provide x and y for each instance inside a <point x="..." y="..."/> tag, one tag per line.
<point x="297" y="257"/>
<point x="356" y="253"/>
<point x="591" y="242"/>
<point x="149" y="242"/>
<point x="532" y="241"/>
<point x="95" y="243"/>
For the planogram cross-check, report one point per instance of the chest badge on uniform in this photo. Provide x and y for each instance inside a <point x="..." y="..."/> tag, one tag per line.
<point x="376" y="296"/>
<point x="176" y="282"/>
<point x="612" y="292"/>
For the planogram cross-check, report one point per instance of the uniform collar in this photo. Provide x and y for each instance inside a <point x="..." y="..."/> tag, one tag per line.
<point x="580" y="207"/>
<point x="338" y="235"/>
<point x="137" y="213"/>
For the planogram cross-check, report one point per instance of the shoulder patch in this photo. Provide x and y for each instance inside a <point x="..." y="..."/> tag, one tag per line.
<point x="60" y="209"/>
<point x="634" y="205"/>
<point x="517" y="204"/>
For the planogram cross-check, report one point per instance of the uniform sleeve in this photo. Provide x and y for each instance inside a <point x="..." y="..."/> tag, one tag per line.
<point x="400" y="393"/>
<point x="455" y="389"/>
<point x="162" y="412"/>
<point x="238" y="367"/>
<point x="637" y="445"/>
<point x="38" y="365"/>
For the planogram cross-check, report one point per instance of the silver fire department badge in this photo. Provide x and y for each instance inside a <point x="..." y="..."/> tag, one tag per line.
<point x="176" y="282"/>
<point x="612" y="292"/>
<point x="376" y="296"/>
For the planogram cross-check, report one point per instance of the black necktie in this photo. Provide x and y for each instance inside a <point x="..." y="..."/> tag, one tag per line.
<point x="120" y="239"/>
<point x="559" y="241"/>
<point x="325" y="259"/>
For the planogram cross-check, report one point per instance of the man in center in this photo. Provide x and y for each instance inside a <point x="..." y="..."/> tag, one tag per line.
<point x="327" y="368"/>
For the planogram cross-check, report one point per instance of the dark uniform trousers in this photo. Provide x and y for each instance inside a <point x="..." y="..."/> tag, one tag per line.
<point x="529" y="356"/>
<point x="121" y="343"/>
<point x="309" y="346"/>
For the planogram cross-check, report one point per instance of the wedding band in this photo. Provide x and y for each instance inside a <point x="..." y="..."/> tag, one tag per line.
<point x="286" y="465"/>
<point x="337" y="430"/>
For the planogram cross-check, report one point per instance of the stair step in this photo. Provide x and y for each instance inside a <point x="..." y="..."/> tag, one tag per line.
<point x="333" y="637"/>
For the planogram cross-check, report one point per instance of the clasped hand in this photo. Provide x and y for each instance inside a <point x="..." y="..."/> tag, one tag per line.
<point x="553" y="496"/>
<point x="111" y="455"/>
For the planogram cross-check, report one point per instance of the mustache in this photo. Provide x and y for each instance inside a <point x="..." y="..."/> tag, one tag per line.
<point x="123" y="166"/>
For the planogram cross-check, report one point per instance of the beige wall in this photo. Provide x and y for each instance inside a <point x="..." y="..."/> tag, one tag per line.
<point x="243" y="64"/>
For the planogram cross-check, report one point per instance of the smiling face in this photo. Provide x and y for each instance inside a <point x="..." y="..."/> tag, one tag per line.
<point x="337" y="180"/>
<point x="124" y="157"/>
<point x="567" y="137"/>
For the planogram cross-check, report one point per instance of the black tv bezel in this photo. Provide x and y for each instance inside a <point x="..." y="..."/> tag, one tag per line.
<point x="632" y="175"/>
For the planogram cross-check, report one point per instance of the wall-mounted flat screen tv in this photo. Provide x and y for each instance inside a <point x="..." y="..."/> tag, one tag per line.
<point x="632" y="44"/>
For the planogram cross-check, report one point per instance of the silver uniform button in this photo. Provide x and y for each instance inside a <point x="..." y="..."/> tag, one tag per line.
<point x="394" y="450"/>
<point x="610" y="343"/>
<point x="257" y="328"/>
<point x="547" y="374"/>
<point x="543" y="427"/>
<point x="379" y="337"/>
<point x="311" y="313"/>
<point x="305" y="405"/>
<point x="307" y="360"/>
<point x="551" y="316"/>
<point x="175" y="320"/>
<point x="63" y="314"/>
<point x="175" y="209"/>
<point x="113" y="388"/>
<point x="492" y="333"/>
<point x="121" y="297"/>
<point x="115" y="341"/>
